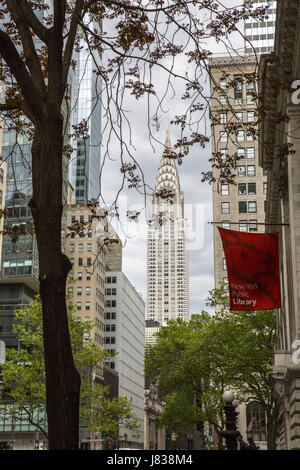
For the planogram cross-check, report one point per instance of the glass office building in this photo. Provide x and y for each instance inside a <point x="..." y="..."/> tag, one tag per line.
<point x="86" y="107"/>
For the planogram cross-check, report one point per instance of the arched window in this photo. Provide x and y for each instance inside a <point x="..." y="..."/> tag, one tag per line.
<point x="254" y="410"/>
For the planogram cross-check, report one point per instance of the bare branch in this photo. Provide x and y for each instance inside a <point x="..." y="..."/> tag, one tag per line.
<point x="21" y="74"/>
<point x="71" y="38"/>
<point x="31" y="57"/>
<point x="37" y="27"/>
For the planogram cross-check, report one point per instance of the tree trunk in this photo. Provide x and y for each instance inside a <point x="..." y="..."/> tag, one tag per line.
<point x="62" y="378"/>
<point x="271" y="433"/>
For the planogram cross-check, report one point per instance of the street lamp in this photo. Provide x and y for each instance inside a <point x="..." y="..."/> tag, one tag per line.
<point x="231" y="432"/>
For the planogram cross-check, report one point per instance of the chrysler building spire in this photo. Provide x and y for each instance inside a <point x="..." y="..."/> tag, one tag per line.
<point x="167" y="255"/>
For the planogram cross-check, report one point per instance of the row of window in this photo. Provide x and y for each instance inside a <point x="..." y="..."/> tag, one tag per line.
<point x="240" y="136"/>
<point x="239" y="117"/>
<point x="110" y="340"/>
<point x="110" y="328"/>
<point x="243" y="189"/>
<point x="80" y="261"/>
<point x="111" y="280"/>
<point x="110" y="291"/>
<point x="110" y="315"/>
<point x="244" y="225"/>
<point x="80" y="247"/>
<point x="82" y="219"/>
<point x="248" y="152"/>
<point x="244" y="207"/>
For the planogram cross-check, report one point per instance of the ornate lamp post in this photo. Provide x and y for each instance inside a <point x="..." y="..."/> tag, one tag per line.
<point x="231" y="432"/>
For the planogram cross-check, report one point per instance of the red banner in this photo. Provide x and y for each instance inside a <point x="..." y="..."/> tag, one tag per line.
<point x="252" y="261"/>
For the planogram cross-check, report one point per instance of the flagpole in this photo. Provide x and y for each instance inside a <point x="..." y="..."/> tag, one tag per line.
<point x="248" y="223"/>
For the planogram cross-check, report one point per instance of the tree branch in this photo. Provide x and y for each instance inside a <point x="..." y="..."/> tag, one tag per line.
<point x="19" y="71"/>
<point x="71" y="39"/>
<point x="31" y="57"/>
<point x="37" y="27"/>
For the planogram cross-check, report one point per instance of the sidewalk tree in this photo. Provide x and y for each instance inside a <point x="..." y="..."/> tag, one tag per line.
<point x="24" y="387"/>
<point x="136" y="40"/>
<point x="209" y="354"/>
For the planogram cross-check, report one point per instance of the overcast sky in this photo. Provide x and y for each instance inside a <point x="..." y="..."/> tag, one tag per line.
<point x="197" y="195"/>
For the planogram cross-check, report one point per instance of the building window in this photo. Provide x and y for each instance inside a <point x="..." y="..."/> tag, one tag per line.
<point x="223" y="83"/>
<point x="242" y="189"/>
<point x="224" y="153"/>
<point x="223" y="136"/>
<point x="222" y="100"/>
<point x="225" y="207"/>
<point x="89" y="247"/>
<point x="239" y="117"/>
<point x="226" y="224"/>
<point x="88" y="261"/>
<point x="252" y="206"/>
<point x="242" y="207"/>
<point x="79" y="276"/>
<point x="88" y="305"/>
<point x="240" y="136"/>
<point x="78" y="305"/>
<point x="225" y="189"/>
<point x="250" y="152"/>
<point x="88" y="276"/>
<point x="224" y="264"/>
<point x="79" y="261"/>
<point x="251" y="189"/>
<point x="79" y="290"/>
<point x="243" y="225"/>
<point x="88" y="291"/>
<point x="252" y="225"/>
<point x="223" y="118"/>
<point x="80" y="247"/>
<point x="250" y="91"/>
<point x="72" y="247"/>
<point x="241" y="170"/>
<point x="240" y="152"/>
<point x="250" y="116"/>
<point x="251" y="170"/>
<point x="238" y="90"/>
<point x="265" y="187"/>
<point x="249" y="136"/>
<point x="257" y="411"/>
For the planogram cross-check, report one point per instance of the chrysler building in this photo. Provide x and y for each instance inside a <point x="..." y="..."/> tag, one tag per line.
<point x="167" y="254"/>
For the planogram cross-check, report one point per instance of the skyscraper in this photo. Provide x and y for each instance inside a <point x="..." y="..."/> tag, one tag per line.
<point x="167" y="254"/>
<point x="260" y="35"/>
<point x="239" y="206"/>
<point x="84" y="172"/>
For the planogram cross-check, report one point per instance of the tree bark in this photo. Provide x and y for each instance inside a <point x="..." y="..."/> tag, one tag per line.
<point x="271" y="432"/>
<point x="63" y="380"/>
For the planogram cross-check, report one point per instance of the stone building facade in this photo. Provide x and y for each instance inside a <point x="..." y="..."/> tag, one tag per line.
<point x="279" y="153"/>
<point x="239" y="206"/>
